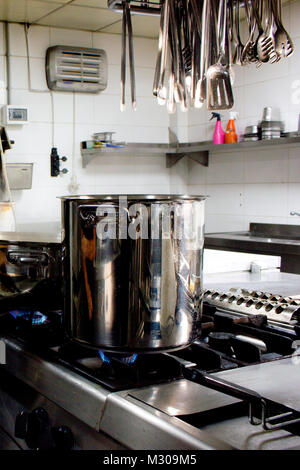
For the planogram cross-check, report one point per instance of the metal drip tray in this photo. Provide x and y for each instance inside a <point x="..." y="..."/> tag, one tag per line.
<point x="182" y="398"/>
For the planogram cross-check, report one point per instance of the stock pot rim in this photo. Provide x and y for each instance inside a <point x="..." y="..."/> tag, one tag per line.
<point x="135" y="197"/>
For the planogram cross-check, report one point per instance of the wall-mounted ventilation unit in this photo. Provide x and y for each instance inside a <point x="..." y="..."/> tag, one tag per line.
<point x="76" y="69"/>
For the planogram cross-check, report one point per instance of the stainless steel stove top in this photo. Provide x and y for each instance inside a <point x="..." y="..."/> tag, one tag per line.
<point x="127" y="420"/>
<point x="202" y="403"/>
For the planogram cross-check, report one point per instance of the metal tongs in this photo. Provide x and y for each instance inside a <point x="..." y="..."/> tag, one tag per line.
<point x="126" y="24"/>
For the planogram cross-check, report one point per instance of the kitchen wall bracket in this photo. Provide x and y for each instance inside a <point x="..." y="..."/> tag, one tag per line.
<point x="182" y="150"/>
<point x="201" y="157"/>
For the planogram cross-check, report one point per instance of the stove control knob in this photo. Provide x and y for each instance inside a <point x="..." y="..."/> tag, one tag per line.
<point x="21" y="425"/>
<point x="63" y="438"/>
<point x="34" y="427"/>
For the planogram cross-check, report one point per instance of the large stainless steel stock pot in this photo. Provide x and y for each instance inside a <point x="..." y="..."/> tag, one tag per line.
<point x="133" y="271"/>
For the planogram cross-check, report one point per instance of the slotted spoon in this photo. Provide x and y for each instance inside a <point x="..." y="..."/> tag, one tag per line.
<point x="283" y="43"/>
<point x="266" y="43"/>
<point x="219" y="89"/>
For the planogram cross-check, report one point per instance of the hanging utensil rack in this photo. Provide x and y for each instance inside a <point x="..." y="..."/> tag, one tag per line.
<point x="200" y="42"/>
<point x="146" y="7"/>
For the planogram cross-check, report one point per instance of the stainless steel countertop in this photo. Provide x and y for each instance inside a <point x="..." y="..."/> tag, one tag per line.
<point x="272" y="281"/>
<point x="248" y="242"/>
<point x="241" y="435"/>
<point x="245" y="236"/>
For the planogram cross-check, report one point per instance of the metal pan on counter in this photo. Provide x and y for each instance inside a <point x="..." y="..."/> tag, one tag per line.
<point x="30" y="268"/>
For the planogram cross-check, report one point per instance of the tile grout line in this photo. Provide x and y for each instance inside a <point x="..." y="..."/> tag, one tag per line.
<point x="53" y="11"/>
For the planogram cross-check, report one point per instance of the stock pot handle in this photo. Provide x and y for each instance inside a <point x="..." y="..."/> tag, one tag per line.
<point x="23" y="258"/>
<point x="89" y="217"/>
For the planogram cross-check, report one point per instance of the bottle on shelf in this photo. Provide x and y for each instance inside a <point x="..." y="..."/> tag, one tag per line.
<point x="219" y="134"/>
<point x="231" y="135"/>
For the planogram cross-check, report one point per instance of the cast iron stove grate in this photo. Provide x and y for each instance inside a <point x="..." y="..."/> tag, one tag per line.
<point x="229" y="341"/>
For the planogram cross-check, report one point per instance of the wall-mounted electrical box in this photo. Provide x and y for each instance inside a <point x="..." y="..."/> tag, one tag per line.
<point x="19" y="175"/>
<point x="11" y="114"/>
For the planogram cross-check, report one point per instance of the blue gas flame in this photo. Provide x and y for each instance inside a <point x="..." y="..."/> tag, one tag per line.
<point x="129" y="359"/>
<point x="36" y="318"/>
<point x="106" y="357"/>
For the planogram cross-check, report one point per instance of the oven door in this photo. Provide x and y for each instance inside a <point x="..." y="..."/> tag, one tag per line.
<point x="7" y="442"/>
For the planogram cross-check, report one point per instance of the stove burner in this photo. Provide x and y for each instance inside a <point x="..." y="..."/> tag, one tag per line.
<point x="107" y="357"/>
<point x="221" y="342"/>
<point x="36" y="318"/>
<point x="118" y="371"/>
<point x="227" y="341"/>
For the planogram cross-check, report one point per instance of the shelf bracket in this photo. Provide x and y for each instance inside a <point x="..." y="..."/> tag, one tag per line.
<point x="173" y="158"/>
<point x="86" y="159"/>
<point x="200" y="157"/>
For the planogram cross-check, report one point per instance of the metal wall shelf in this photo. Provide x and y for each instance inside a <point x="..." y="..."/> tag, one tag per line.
<point x="174" y="151"/>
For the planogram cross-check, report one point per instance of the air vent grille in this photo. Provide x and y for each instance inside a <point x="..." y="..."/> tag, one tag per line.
<point x="76" y="69"/>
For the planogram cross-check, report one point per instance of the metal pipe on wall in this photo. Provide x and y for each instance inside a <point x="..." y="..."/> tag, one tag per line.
<point x="7" y="48"/>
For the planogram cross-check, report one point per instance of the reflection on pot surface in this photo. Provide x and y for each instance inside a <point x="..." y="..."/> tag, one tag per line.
<point x="134" y="271"/>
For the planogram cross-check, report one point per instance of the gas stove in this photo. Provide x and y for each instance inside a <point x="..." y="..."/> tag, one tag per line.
<point x="234" y="388"/>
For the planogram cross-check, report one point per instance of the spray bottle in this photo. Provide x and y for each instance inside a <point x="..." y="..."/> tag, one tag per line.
<point x="231" y="135"/>
<point x="219" y="134"/>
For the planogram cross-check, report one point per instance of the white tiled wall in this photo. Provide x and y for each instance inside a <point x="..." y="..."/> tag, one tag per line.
<point x="243" y="186"/>
<point x="253" y="186"/>
<point x="78" y="117"/>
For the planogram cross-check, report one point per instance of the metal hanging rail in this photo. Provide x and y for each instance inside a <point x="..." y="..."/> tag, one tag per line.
<point x="139" y="7"/>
